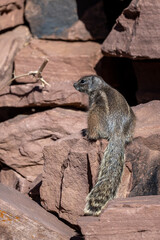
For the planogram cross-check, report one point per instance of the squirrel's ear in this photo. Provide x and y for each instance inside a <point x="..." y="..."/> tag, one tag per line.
<point x="93" y="80"/>
<point x="96" y="80"/>
<point x="90" y="83"/>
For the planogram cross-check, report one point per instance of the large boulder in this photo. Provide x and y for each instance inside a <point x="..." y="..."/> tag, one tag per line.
<point x="22" y="218"/>
<point x="70" y="169"/>
<point x="67" y="63"/>
<point x="67" y="20"/>
<point x="11" y="13"/>
<point x="135" y="35"/>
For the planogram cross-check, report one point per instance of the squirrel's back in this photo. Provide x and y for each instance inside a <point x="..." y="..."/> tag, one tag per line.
<point x="109" y="113"/>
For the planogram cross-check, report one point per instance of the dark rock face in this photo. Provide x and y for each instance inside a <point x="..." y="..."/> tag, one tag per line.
<point x="70" y="20"/>
<point x="56" y="16"/>
<point x="147" y="73"/>
<point x="113" y="9"/>
<point x="120" y="74"/>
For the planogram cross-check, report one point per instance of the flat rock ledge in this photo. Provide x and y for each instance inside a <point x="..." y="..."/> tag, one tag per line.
<point x="131" y="218"/>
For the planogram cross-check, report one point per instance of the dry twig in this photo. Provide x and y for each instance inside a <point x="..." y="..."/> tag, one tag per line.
<point x="36" y="74"/>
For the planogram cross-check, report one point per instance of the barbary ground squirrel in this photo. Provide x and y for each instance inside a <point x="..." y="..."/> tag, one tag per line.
<point x="109" y="117"/>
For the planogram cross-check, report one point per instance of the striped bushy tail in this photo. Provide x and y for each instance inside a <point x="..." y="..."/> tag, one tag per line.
<point x="109" y="177"/>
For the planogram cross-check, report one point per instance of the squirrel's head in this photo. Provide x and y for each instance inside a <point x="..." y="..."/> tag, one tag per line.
<point x="88" y="84"/>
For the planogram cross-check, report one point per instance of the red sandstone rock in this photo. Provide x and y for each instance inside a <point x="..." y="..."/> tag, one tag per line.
<point x="136" y="32"/>
<point x="11" y="13"/>
<point x="126" y="181"/>
<point x="123" y="219"/>
<point x="67" y="63"/>
<point x="136" y="36"/>
<point x="70" y="166"/>
<point x="22" y="138"/>
<point x="147" y="119"/>
<point x="67" y="60"/>
<point x="10" y="43"/>
<point x="22" y="218"/>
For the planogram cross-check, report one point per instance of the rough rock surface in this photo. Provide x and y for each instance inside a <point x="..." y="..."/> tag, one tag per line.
<point x="10" y="43"/>
<point x="11" y="13"/>
<point x="123" y="219"/>
<point x="135" y="35"/>
<point x="67" y="63"/>
<point x="147" y="119"/>
<point x="71" y="166"/>
<point x="22" y="218"/>
<point x="67" y="20"/>
<point x="22" y="138"/>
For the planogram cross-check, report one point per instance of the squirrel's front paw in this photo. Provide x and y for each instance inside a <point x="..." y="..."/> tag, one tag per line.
<point x="84" y="132"/>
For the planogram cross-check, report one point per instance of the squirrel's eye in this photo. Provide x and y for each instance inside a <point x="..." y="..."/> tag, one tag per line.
<point x="82" y="81"/>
